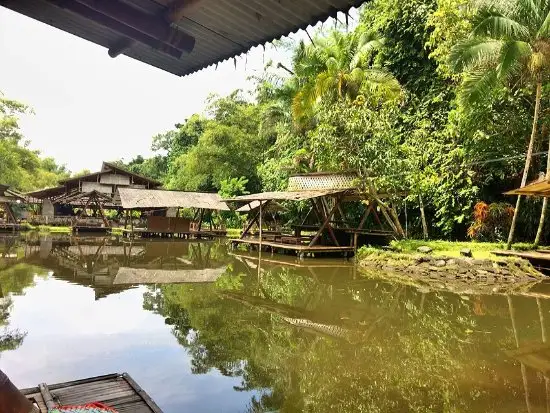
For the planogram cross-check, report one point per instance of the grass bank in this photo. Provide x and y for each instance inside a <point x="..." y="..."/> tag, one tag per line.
<point x="481" y="250"/>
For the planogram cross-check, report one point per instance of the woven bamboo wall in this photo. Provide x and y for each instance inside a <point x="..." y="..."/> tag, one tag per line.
<point x="322" y="181"/>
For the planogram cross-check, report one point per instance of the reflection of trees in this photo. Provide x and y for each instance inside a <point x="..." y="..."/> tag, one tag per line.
<point x="364" y="345"/>
<point x="13" y="281"/>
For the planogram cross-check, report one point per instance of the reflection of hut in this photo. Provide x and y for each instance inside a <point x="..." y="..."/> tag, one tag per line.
<point x="134" y="276"/>
<point x="168" y="226"/>
<point x="8" y="197"/>
<point x="331" y="232"/>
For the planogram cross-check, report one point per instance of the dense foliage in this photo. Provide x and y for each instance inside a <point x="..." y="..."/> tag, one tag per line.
<point x="21" y="167"/>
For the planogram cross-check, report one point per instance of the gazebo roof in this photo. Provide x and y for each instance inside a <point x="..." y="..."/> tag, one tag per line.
<point x="180" y="36"/>
<point x="540" y="187"/>
<point x="131" y="198"/>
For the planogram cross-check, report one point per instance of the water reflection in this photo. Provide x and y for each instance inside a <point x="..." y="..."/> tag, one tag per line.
<point x="272" y="333"/>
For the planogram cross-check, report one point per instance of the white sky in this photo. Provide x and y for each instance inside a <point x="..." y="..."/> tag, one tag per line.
<point x="89" y="107"/>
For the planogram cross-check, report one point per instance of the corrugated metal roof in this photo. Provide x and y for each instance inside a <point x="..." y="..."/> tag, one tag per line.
<point x="131" y="198"/>
<point x="222" y="28"/>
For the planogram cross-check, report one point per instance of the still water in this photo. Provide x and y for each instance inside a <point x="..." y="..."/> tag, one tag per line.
<point x="206" y="329"/>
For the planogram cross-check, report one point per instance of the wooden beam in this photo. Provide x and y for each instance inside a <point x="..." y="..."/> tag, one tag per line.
<point x="250" y="224"/>
<point x="325" y="224"/>
<point x="153" y="26"/>
<point x="121" y="46"/>
<point x="173" y="49"/>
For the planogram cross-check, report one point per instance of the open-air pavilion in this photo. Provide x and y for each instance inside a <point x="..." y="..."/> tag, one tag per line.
<point x="156" y="203"/>
<point x="8" y="197"/>
<point x="330" y="231"/>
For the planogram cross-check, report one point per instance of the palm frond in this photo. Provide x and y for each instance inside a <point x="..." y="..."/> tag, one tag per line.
<point x="544" y="30"/>
<point x="494" y="24"/>
<point x="512" y="55"/>
<point x="473" y="52"/>
<point x="477" y="86"/>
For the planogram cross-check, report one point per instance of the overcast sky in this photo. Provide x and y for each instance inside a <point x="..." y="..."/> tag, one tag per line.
<point x="89" y="107"/>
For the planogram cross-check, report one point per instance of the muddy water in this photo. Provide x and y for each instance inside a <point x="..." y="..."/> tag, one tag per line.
<point x="203" y="328"/>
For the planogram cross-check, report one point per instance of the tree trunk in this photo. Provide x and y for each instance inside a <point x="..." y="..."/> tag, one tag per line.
<point x="423" y="217"/>
<point x="545" y="199"/>
<point x="527" y="163"/>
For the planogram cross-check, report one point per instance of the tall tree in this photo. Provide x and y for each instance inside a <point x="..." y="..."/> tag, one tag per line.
<point x="338" y="66"/>
<point x="508" y="41"/>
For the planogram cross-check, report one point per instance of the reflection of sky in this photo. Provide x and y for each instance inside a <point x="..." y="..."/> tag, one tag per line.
<point x="72" y="336"/>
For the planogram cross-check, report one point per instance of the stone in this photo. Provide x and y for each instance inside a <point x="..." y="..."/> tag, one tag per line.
<point x="424" y="249"/>
<point x="422" y="258"/>
<point x="440" y="263"/>
<point x="451" y="262"/>
<point x="466" y="252"/>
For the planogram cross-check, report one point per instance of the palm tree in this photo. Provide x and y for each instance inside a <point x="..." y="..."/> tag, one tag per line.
<point x="339" y="66"/>
<point x="509" y="41"/>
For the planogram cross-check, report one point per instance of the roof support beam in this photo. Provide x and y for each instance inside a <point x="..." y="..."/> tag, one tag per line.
<point x="118" y="27"/>
<point x="179" y="9"/>
<point x="150" y="25"/>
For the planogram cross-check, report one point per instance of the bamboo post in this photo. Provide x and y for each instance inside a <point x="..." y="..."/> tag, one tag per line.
<point x="47" y="396"/>
<point x="261" y="213"/>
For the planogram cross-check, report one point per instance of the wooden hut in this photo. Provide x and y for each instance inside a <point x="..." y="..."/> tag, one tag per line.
<point x="94" y="192"/>
<point x="171" y="226"/>
<point x="8" y="197"/>
<point x="327" y="193"/>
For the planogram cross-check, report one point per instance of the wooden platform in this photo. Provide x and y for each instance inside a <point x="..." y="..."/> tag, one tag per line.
<point x="145" y="233"/>
<point x="539" y="259"/>
<point x="76" y="229"/>
<point x="12" y="227"/>
<point x="118" y="391"/>
<point x="300" y="249"/>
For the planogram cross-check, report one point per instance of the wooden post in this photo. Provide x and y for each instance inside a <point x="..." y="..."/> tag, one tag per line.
<point x="47" y="396"/>
<point x="250" y="224"/>
<point x="200" y="220"/>
<point x="261" y="204"/>
<point x="327" y="220"/>
<point x="131" y="222"/>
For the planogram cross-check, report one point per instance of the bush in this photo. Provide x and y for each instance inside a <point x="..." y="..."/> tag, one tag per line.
<point x="491" y="221"/>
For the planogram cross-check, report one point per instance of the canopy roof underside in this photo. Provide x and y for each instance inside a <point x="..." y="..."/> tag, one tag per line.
<point x="180" y="36"/>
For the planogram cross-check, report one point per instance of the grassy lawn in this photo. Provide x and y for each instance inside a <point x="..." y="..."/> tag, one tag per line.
<point x="480" y="250"/>
<point x="233" y="232"/>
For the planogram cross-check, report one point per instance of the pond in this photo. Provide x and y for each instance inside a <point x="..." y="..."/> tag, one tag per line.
<point x="203" y="328"/>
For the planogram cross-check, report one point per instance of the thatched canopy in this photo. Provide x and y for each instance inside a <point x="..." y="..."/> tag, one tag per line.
<point x="131" y="198"/>
<point x="285" y="195"/>
<point x="540" y="187"/>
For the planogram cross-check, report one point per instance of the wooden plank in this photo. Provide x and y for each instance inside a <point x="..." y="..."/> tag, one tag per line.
<point x="142" y="393"/>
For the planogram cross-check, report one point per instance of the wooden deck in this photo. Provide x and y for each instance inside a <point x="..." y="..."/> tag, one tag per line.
<point x="12" y="227"/>
<point x="118" y="391"/>
<point x="77" y="229"/>
<point x="539" y="259"/>
<point x="299" y="249"/>
<point x="145" y="233"/>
